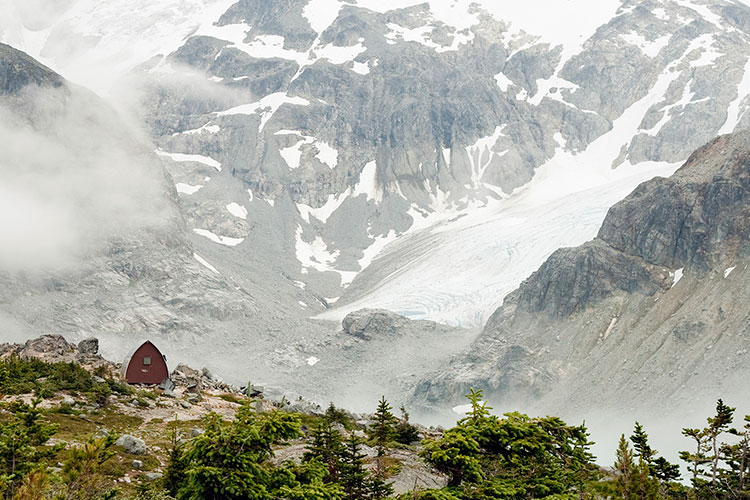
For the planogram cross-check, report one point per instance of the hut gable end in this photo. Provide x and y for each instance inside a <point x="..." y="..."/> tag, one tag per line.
<point x="146" y="366"/>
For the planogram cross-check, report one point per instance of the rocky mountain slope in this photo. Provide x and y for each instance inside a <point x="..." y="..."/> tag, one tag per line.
<point x="328" y="156"/>
<point x="651" y="313"/>
<point x="341" y="128"/>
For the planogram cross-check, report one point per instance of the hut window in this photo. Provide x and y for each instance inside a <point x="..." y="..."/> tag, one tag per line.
<point x="147" y="360"/>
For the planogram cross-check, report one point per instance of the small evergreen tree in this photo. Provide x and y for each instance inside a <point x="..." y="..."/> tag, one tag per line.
<point x="382" y="433"/>
<point x="174" y="475"/>
<point x="327" y="448"/>
<point x="354" y="477"/>
<point x="22" y="439"/>
<point x="406" y="433"/>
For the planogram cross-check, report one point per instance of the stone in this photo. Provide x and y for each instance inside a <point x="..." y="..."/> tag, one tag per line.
<point x="152" y="476"/>
<point x="132" y="444"/>
<point x="254" y="390"/>
<point x="89" y="346"/>
<point x="67" y="401"/>
<point x="195" y="432"/>
<point x="184" y="404"/>
<point x="137" y="464"/>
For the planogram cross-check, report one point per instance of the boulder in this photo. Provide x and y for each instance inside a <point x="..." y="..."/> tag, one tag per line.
<point x="89" y="346"/>
<point x="132" y="444"/>
<point x="47" y="346"/>
<point x="369" y="323"/>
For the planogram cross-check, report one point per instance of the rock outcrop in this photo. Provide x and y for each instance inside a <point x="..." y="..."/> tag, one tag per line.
<point x="657" y="302"/>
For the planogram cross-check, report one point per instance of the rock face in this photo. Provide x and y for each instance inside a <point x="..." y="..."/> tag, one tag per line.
<point x="655" y="303"/>
<point x="699" y="218"/>
<point x="298" y="141"/>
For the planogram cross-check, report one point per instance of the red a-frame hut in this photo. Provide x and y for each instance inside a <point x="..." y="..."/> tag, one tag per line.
<point x="146" y="365"/>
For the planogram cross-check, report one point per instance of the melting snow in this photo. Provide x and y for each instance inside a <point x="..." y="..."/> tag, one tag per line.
<point x="211" y="129"/>
<point x="650" y="48"/>
<point x="677" y="276"/>
<point x="322" y="213"/>
<point x="312" y="360"/>
<point x="195" y="158"/>
<point x="327" y="154"/>
<point x="708" y="54"/>
<point x="503" y="81"/>
<point x="205" y="263"/>
<point x="733" y="111"/>
<point x="481" y="154"/>
<point x="267" y="106"/>
<point x="340" y="55"/>
<point x="250" y="194"/>
<point x="302" y="304"/>
<point x="367" y="184"/>
<point x="321" y="13"/>
<point x="187" y="188"/>
<point x="362" y="68"/>
<point x="293" y="154"/>
<point x="422" y="35"/>
<point x="237" y="210"/>
<point x="315" y="254"/>
<point x="224" y="240"/>
<point x="375" y="248"/>
<point x="728" y="270"/>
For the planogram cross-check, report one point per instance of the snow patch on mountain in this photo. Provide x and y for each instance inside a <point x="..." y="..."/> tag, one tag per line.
<point x="205" y="263"/>
<point x="736" y="108"/>
<point x="326" y="154"/>
<point x="323" y="212"/>
<point x="649" y="47"/>
<point x="224" y="240"/>
<point x="237" y="210"/>
<point x="267" y="106"/>
<point x="183" y="188"/>
<point x="181" y="157"/>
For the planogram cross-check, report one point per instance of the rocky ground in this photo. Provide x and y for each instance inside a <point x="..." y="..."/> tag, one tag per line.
<point x="143" y="420"/>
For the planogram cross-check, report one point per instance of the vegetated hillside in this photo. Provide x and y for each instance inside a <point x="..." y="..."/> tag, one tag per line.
<point x="85" y="434"/>
<point x="653" y="313"/>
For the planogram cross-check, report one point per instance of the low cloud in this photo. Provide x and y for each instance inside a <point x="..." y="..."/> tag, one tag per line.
<point x="72" y="175"/>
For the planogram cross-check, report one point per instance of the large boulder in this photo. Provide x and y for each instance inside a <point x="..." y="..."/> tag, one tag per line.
<point x="89" y="346"/>
<point x="132" y="444"/>
<point x="369" y="323"/>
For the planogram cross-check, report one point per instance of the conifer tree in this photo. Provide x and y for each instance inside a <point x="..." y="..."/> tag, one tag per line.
<point x="354" y="477"/>
<point x="326" y="447"/>
<point x="382" y="432"/>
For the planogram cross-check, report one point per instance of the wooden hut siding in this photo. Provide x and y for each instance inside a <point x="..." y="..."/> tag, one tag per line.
<point x="146" y="366"/>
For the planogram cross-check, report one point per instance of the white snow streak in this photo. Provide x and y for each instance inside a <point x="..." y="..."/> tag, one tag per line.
<point x="267" y="106"/>
<point x="650" y="48"/>
<point x="367" y="184"/>
<point x="735" y="109"/>
<point x="677" y="275"/>
<point x="327" y="154"/>
<point x="237" y="210"/>
<point x="322" y="213"/>
<point x="224" y="240"/>
<point x="194" y="158"/>
<point x="205" y="263"/>
<point x="728" y="270"/>
<point x="183" y="188"/>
